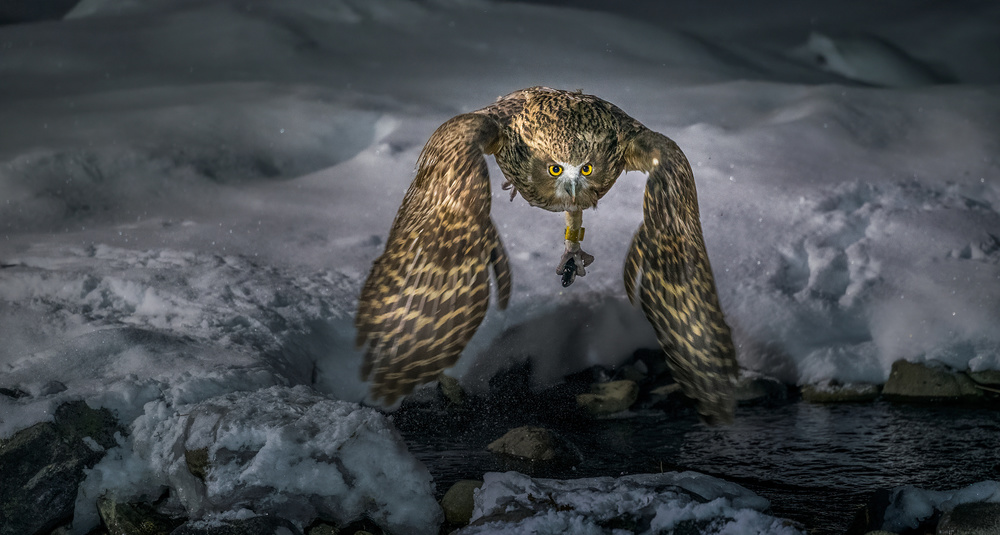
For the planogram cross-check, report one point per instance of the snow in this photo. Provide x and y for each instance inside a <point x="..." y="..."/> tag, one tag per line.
<point x="278" y="450"/>
<point x="655" y="503"/>
<point x="908" y="505"/>
<point x="191" y="193"/>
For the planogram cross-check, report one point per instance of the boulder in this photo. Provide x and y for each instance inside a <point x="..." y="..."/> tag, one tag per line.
<point x="837" y="393"/>
<point x="43" y="465"/>
<point x="458" y="501"/>
<point x="609" y="398"/>
<point x="971" y="519"/>
<point x="535" y="444"/>
<point x="911" y="381"/>
<point x="134" y="518"/>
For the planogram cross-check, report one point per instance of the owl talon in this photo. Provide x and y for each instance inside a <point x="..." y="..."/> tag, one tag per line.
<point x="573" y="262"/>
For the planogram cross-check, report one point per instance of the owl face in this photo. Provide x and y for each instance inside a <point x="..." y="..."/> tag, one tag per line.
<point x="570" y="183"/>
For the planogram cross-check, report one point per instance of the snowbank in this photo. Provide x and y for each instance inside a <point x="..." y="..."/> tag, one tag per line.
<point x="282" y="451"/>
<point x="645" y="503"/>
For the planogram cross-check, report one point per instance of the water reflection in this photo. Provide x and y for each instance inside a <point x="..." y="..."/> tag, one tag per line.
<point x="816" y="463"/>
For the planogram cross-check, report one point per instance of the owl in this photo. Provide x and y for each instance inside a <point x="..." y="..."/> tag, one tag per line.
<point x="561" y="151"/>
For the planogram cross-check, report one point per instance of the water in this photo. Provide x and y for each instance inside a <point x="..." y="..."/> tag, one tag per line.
<point x="817" y="464"/>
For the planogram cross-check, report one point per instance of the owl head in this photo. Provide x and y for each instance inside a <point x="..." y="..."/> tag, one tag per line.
<point x="573" y="150"/>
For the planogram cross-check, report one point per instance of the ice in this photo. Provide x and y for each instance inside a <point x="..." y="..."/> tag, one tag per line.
<point x="643" y="503"/>
<point x="192" y="193"/>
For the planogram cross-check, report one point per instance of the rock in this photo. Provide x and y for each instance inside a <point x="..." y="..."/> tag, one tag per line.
<point x="43" y="465"/>
<point x="637" y="372"/>
<point x="451" y="390"/>
<point x="197" y="462"/>
<point x="609" y="398"/>
<point x="134" y="518"/>
<point x="871" y="516"/>
<point x="15" y="393"/>
<point x="458" y="501"/>
<point x="986" y="377"/>
<point x="836" y="393"/>
<point x="322" y="528"/>
<point x="971" y="519"/>
<point x="535" y="444"/>
<point x="910" y="381"/>
<point x="753" y="388"/>
<point x="258" y="525"/>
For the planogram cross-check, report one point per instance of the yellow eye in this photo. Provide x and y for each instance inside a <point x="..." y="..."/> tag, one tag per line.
<point x="586" y="170"/>
<point x="555" y="170"/>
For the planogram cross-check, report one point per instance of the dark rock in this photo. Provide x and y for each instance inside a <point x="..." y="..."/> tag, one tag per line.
<point x="637" y="372"/>
<point x="871" y="516"/>
<point x="322" y="528"/>
<point x="451" y="390"/>
<point x="134" y="518"/>
<point x="258" y="525"/>
<point x="15" y="393"/>
<point x="971" y="519"/>
<point x="535" y="444"/>
<point x="43" y="465"/>
<point x="654" y="360"/>
<point x="910" y="381"/>
<point x="836" y="393"/>
<point x="458" y="501"/>
<point x="197" y="462"/>
<point x="754" y="388"/>
<point x="609" y="398"/>
<point x="51" y="387"/>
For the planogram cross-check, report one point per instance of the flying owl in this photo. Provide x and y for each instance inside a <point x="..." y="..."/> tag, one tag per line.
<point x="562" y="151"/>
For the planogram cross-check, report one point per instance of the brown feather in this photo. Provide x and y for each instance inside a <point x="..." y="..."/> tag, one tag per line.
<point x="675" y="285"/>
<point x="414" y="317"/>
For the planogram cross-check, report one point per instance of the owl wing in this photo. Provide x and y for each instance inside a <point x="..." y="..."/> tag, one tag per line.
<point x="667" y="269"/>
<point x="429" y="291"/>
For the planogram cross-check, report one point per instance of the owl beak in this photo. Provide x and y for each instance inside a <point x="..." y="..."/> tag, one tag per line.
<point x="570" y="188"/>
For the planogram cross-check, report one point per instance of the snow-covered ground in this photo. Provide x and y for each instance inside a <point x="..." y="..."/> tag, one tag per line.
<point x="191" y="192"/>
<point x="671" y="502"/>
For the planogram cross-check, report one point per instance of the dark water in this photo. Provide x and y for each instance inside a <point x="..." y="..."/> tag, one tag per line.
<point x="817" y="464"/>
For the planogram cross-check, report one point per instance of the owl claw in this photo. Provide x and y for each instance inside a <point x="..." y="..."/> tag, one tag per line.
<point x="574" y="262"/>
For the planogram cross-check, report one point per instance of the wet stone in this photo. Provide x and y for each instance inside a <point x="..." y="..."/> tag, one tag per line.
<point x="458" y="502"/>
<point x="536" y="444"/>
<point x="134" y="518"/>
<point x="971" y="519"/>
<point x="910" y="381"/>
<point x="609" y="398"/>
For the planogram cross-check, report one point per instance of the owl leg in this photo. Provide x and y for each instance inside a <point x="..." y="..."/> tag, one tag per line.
<point x="574" y="260"/>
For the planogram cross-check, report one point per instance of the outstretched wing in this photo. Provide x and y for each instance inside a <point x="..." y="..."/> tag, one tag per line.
<point x="676" y="289"/>
<point x="429" y="291"/>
